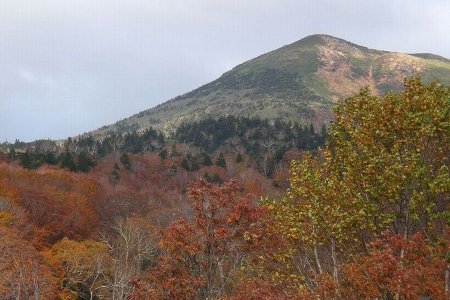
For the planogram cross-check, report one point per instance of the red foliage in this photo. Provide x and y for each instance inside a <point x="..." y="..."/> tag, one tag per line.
<point x="148" y="188"/>
<point x="259" y="289"/>
<point x="406" y="267"/>
<point x="57" y="202"/>
<point x="206" y="251"/>
<point x="167" y="281"/>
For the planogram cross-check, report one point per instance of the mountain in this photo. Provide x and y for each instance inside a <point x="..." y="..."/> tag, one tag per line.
<point x="300" y="82"/>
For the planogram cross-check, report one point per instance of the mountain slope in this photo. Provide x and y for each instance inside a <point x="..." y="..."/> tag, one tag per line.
<point x="300" y="82"/>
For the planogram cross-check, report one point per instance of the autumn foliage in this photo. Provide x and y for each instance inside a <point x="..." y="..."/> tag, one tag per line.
<point x="367" y="217"/>
<point x="396" y="265"/>
<point x="384" y="172"/>
<point x="202" y="256"/>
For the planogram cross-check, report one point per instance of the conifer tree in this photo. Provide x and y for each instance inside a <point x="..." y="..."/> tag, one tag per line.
<point x="220" y="161"/>
<point x="239" y="158"/>
<point x="125" y="160"/>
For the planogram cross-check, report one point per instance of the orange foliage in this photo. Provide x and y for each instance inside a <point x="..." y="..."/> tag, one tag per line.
<point x="3" y="158"/>
<point x="407" y="267"/>
<point x="22" y="273"/>
<point x="57" y="202"/>
<point x="167" y="281"/>
<point x="254" y="187"/>
<point x="206" y="251"/>
<point x="259" y="289"/>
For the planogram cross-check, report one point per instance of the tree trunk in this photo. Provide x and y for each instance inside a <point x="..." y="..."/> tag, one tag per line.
<point x="316" y="255"/>
<point x="447" y="278"/>
<point x="335" y="261"/>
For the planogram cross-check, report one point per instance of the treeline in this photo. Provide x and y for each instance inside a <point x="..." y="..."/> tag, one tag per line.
<point x="250" y="134"/>
<point x="135" y="142"/>
<point x="264" y="141"/>
<point x="75" y="162"/>
<point x="80" y="154"/>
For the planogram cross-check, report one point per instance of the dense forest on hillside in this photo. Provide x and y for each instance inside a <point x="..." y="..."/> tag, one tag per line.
<point x="358" y="211"/>
<point x="263" y="141"/>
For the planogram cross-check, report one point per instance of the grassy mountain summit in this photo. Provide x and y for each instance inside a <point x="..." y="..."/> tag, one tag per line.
<point x="300" y="82"/>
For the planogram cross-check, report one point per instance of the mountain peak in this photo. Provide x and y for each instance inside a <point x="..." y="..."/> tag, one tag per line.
<point x="320" y="39"/>
<point x="297" y="82"/>
<point x="320" y="36"/>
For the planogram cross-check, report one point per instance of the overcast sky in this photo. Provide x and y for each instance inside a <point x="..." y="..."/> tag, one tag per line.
<point x="70" y="66"/>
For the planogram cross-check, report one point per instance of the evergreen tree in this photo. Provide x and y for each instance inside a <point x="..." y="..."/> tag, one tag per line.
<point x="311" y="129"/>
<point x="239" y="158"/>
<point x="195" y="165"/>
<point x="323" y="135"/>
<point x="84" y="162"/>
<point x="220" y="161"/>
<point x="160" y="138"/>
<point x="163" y="153"/>
<point x="216" y="179"/>
<point x="206" y="159"/>
<point x="185" y="164"/>
<point x="50" y="158"/>
<point x="125" y="160"/>
<point x="207" y="177"/>
<point x="279" y="153"/>
<point x="67" y="161"/>
<point x="26" y="160"/>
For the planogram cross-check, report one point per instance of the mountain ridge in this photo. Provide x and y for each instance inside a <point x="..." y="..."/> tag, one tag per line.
<point x="299" y="81"/>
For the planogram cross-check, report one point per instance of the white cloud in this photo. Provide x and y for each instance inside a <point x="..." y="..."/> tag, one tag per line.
<point x="37" y="81"/>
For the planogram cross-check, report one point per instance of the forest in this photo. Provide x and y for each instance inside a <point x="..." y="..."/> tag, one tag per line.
<point x="264" y="141"/>
<point x="238" y="208"/>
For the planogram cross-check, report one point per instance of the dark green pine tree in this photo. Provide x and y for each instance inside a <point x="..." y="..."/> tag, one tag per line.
<point x="125" y="160"/>
<point x="195" y="166"/>
<point x="239" y="158"/>
<point x="323" y="135"/>
<point x="26" y="160"/>
<point x="163" y="153"/>
<point x="160" y="138"/>
<point x="185" y="164"/>
<point x="67" y="161"/>
<point x="84" y="162"/>
<point x="216" y="179"/>
<point x="207" y="177"/>
<point x="206" y="159"/>
<point x="220" y="161"/>
<point x="50" y="158"/>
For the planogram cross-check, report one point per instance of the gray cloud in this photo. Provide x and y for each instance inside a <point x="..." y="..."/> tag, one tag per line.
<point x="71" y="66"/>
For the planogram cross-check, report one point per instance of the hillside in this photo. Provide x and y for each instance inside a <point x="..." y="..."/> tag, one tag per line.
<point x="300" y="82"/>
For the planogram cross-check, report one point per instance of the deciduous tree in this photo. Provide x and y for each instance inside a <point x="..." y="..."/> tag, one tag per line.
<point x="207" y="251"/>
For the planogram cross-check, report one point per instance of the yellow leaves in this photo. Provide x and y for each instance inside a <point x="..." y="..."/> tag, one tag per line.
<point x="316" y="205"/>
<point x="71" y="258"/>
<point x="386" y="162"/>
<point x="441" y="183"/>
<point x="392" y="148"/>
<point x="6" y="218"/>
<point x="67" y="295"/>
